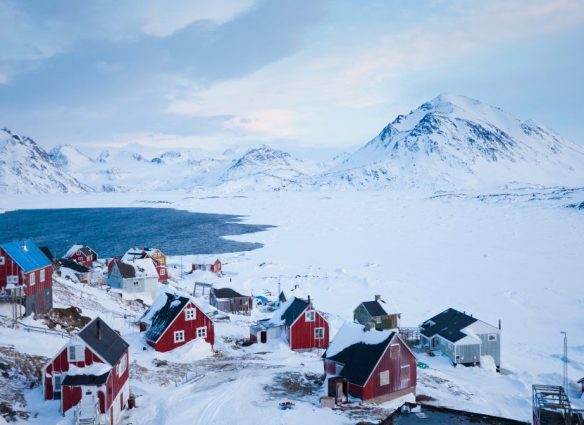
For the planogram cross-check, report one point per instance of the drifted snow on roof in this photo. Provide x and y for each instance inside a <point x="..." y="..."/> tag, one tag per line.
<point x="95" y="369"/>
<point x="143" y="267"/>
<point x="354" y="333"/>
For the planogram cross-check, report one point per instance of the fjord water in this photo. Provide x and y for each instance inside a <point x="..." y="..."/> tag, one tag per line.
<point x="111" y="231"/>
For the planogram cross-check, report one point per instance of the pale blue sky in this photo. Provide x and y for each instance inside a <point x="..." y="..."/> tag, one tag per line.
<point x="299" y="74"/>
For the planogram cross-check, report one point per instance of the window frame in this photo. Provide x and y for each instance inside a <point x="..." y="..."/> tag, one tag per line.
<point x="2" y="260"/>
<point x="320" y="328"/>
<point x="32" y="278"/>
<point x="178" y="334"/>
<point x="384" y="378"/>
<point x="190" y="310"/>
<point x="492" y="337"/>
<point x="123" y="365"/>
<point x="79" y="355"/>
<point x="56" y="391"/>
<point x="203" y="331"/>
<point x="393" y="353"/>
<point x="42" y="275"/>
<point x="310" y="316"/>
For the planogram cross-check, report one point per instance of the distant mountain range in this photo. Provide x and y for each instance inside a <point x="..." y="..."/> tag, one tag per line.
<point x="450" y="142"/>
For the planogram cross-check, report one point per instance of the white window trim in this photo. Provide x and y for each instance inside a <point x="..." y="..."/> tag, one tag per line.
<point x="57" y="375"/>
<point x="383" y="378"/>
<point x="310" y="316"/>
<point x="2" y="260"/>
<point x="203" y="329"/>
<point x="32" y="279"/>
<point x="162" y="272"/>
<point x="391" y="349"/>
<point x="78" y="357"/>
<point x="42" y="275"/>
<point x="316" y="333"/>
<point x="190" y="310"/>
<point x="179" y="336"/>
<point x="122" y="365"/>
<point x="405" y="379"/>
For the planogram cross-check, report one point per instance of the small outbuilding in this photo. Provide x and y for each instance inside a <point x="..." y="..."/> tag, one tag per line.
<point x="298" y="322"/>
<point x="215" y="267"/>
<point x="462" y="338"/>
<point x="377" y="365"/>
<point x="74" y="271"/>
<point x="230" y="301"/>
<point x="155" y="254"/>
<point x="174" y="320"/>
<point x="377" y="314"/>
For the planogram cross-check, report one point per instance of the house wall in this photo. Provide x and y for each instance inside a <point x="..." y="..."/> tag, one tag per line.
<point x="166" y="341"/>
<point x="401" y="380"/>
<point x="117" y="390"/>
<point x="302" y="332"/>
<point x="231" y="305"/>
<point x="86" y="260"/>
<point x="468" y="354"/>
<point x="361" y="315"/>
<point x="60" y="364"/>
<point x="491" y="348"/>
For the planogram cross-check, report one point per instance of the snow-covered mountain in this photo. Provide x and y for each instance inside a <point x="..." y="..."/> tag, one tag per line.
<point x="458" y="142"/>
<point x="25" y="167"/>
<point x="70" y="158"/>
<point x="265" y="168"/>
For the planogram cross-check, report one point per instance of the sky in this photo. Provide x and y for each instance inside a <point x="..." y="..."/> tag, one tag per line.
<point x="301" y="75"/>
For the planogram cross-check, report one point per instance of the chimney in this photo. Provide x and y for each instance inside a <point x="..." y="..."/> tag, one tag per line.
<point x="377" y="297"/>
<point x="98" y="327"/>
<point x="309" y="300"/>
<point x="24" y="247"/>
<point x="499" y="324"/>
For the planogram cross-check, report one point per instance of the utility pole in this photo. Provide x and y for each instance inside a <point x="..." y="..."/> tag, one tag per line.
<point x="565" y="360"/>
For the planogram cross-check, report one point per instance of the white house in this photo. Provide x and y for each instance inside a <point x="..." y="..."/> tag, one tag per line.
<point x="138" y="277"/>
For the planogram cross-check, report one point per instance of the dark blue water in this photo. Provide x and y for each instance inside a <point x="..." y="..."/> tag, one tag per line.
<point x="111" y="231"/>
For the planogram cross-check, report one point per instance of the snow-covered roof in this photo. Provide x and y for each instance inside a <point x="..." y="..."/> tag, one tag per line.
<point x="354" y="333"/>
<point x="143" y="267"/>
<point x="95" y="369"/>
<point x="72" y="250"/>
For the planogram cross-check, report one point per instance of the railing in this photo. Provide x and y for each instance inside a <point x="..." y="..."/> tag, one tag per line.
<point x="410" y="335"/>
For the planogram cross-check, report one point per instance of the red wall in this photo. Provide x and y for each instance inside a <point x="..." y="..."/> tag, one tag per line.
<point x="79" y="257"/>
<point x="302" y="332"/>
<point x="61" y="364"/>
<point x="372" y="387"/>
<point x="115" y="383"/>
<point x="166" y="341"/>
<point x="70" y="397"/>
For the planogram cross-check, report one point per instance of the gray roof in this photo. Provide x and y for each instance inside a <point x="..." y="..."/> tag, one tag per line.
<point x="295" y="309"/>
<point x="227" y="293"/>
<point x="448" y="325"/>
<point x="162" y="318"/>
<point x="109" y="345"/>
<point x="126" y="270"/>
<point x="374" y="308"/>
<point x="360" y="359"/>
<point x="78" y="380"/>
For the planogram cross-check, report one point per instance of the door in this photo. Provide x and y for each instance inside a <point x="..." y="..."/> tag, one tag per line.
<point x="263" y="337"/>
<point x="56" y="387"/>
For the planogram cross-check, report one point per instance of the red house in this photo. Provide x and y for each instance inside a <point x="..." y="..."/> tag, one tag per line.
<point x="215" y="267"/>
<point x="581" y="382"/>
<point x="174" y="320"/>
<point x="26" y="274"/>
<point x="90" y="373"/>
<point x="81" y="254"/>
<point x="303" y="327"/>
<point x="376" y="366"/>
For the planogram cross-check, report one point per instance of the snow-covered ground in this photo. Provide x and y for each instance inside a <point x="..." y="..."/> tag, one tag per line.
<point x="496" y="257"/>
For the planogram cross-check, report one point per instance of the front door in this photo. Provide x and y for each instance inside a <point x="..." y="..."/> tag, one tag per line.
<point x="263" y="337"/>
<point x="56" y="387"/>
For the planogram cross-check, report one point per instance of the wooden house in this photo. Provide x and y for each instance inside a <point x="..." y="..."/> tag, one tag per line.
<point x="230" y="301"/>
<point x="135" y="277"/>
<point x="461" y="337"/>
<point x="377" y="365"/>
<point x="581" y="382"/>
<point x="155" y="254"/>
<point x="215" y="267"/>
<point x="377" y="314"/>
<point x="174" y="320"/>
<point x="90" y="373"/>
<point x="298" y="322"/>
<point x="74" y="271"/>
<point x="81" y="254"/>
<point x="26" y="275"/>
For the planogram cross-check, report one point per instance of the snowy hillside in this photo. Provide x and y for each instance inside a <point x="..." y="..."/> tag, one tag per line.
<point x="25" y="167"/>
<point x="70" y="158"/>
<point x="454" y="141"/>
<point x="265" y="168"/>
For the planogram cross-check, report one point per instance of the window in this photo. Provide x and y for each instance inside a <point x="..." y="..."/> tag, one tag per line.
<point x="492" y="337"/>
<point x="56" y="387"/>
<point x="32" y="278"/>
<point x="179" y="336"/>
<point x="318" y="333"/>
<point x="162" y="272"/>
<point x="1" y="260"/>
<point x="378" y="320"/>
<point x="394" y="351"/>
<point x="202" y="332"/>
<point x="310" y="316"/>
<point x="76" y="353"/>
<point x="136" y="284"/>
<point x="190" y="314"/>
<point x="122" y="365"/>
<point x="384" y="378"/>
<point x="42" y="279"/>
<point x="405" y="376"/>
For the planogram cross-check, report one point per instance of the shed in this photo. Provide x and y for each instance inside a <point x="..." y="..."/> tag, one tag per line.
<point x="378" y="314"/>
<point x="83" y="254"/>
<point x="230" y="301"/>
<point x="135" y="277"/>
